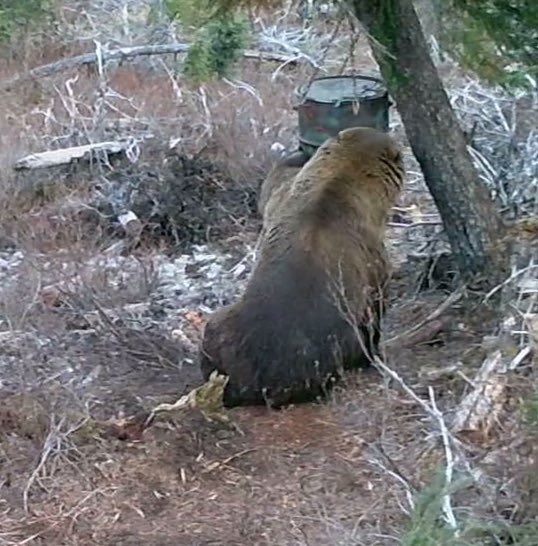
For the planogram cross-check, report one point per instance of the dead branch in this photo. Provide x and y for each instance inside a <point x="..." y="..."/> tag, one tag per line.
<point x="449" y="443"/>
<point x="52" y="158"/>
<point x="434" y="315"/>
<point x="206" y="398"/>
<point x="50" y="446"/>
<point x="426" y="333"/>
<point x="219" y="464"/>
<point x="125" y="53"/>
<point x="480" y="408"/>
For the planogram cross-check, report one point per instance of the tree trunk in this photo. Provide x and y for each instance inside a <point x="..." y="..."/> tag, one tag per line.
<point x="470" y="218"/>
<point x="429" y="14"/>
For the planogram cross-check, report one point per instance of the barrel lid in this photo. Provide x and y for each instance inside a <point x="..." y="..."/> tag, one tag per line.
<point x="333" y="89"/>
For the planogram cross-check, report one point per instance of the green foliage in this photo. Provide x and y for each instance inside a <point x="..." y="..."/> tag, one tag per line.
<point x="427" y="528"/>
<point x="498" y="39"/>
<point x="386" y="31"/>
<point x="217" y="47"/>
<point x="198" y="64"/>
<point x="219" y="36"/>
<point x="521" y="535"/>
<point x="190" y="13"/>
<point x="22" y="15"/>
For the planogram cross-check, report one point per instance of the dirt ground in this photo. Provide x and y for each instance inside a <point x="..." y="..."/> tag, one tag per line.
<point x="104" y="340"/>
<point x="313" y="474"/>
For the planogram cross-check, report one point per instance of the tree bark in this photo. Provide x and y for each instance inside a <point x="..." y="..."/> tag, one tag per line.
<point x="471" y="220"/>
<point x="429" y="14"/>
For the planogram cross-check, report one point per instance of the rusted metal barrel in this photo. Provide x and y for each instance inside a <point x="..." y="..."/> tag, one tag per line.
<point x="333" y="103"/>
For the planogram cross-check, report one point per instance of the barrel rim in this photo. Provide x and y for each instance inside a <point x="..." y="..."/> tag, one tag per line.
<point x="299" y="91"/>
<point x="303" y="140"/>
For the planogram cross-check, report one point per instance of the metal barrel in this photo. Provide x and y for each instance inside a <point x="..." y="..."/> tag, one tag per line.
<point x="328" y="105"/>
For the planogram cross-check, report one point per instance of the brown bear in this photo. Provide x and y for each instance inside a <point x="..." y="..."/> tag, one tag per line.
<point x="313" y="304"/>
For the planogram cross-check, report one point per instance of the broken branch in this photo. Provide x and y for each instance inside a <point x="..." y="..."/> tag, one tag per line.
<point x="433" y="316"/>
<point x="52" y="158"/>
<point x="125" y="53"/>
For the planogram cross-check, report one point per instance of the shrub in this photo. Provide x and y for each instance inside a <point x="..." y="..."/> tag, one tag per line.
<point x="217" y="47"/>
<point x="218" y="38"/>
<point x="495" y="38"/>
<point x="21" y="15"/>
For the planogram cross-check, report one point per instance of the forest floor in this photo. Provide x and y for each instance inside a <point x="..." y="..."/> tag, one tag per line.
<point x="95" y="328"/>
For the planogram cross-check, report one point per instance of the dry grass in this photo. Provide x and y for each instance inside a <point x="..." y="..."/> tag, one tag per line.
<point x="93" y="329"/>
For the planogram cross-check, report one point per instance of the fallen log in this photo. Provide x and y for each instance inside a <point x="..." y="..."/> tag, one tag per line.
<point x="125" y="53"/>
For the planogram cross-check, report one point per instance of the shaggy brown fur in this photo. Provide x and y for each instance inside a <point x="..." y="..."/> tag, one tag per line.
<point x="280" y="175"/>
<point x="314" y="301"/>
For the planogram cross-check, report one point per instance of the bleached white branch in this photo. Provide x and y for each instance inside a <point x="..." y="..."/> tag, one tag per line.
<point x="64" y="156"/>
<point x="434" y="413"/>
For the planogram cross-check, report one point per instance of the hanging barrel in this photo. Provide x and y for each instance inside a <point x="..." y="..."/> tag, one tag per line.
<point x="331" y="104"/>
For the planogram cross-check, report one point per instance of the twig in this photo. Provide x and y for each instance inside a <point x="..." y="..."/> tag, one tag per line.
<point x="410" y="489"/>
<point x="217" y="464"/>
<point x="453" y="298"/>
<point x="449" y="468"/>
<point x="48" y="447"/>
<point x="519" y="358"/>
<point x="414" y="224"/>
<point x="426" y="333"/>
<point x="510" y="279"/>
<point x="448" y="439"/>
